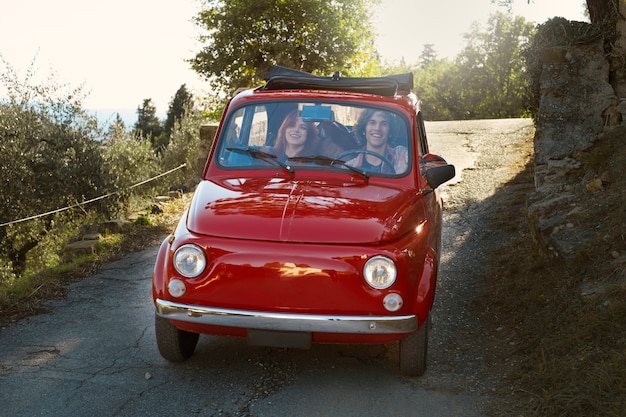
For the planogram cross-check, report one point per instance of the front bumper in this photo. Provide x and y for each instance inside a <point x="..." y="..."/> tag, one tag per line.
<point x="286" y="321"/>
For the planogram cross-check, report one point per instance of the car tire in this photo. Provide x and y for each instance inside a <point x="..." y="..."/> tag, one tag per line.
<point x="413" y="351"/>
<point x="174" y="344"/>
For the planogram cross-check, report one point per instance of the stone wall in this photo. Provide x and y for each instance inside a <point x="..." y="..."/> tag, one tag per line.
<point x="575" y="94"/>
<point x="577" y="103"/>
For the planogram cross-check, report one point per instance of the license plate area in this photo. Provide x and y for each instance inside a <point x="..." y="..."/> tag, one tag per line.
<point x="298" y="340"/>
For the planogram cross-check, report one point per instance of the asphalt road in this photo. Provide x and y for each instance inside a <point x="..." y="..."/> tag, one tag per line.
<point x="94" y="354"/>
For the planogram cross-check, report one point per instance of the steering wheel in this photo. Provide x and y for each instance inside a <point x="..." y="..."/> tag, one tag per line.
<point x="367" y="152"/>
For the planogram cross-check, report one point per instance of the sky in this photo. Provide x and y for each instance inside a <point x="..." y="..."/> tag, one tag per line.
<point x="125" y="51"/>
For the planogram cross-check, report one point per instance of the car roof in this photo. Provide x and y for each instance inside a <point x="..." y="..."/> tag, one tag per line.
<point x="288" y="84"/>
<point x="282" y="78"/>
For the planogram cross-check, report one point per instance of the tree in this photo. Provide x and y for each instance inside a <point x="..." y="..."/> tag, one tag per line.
<point x="491" y="65"/>
<point x="485" y="80"/>
<point x="427" y="56"/>
<point x="117" y="127"/>
<point x="148" y="124"/>
<point x="179" y="104"/>
<point x="49" y="159"/>
<point x="184" y="148"/>
<point x="611" y="15"/>
<point x="438" y="89"/>
<point x="244" y="38"/>
<point x="602" y="10"/>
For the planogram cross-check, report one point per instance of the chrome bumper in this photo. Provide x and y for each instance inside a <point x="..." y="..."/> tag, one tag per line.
<point x="286" y="321"/>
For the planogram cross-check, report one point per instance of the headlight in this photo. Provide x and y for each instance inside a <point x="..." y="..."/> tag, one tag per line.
<point x="380" y="272"/>
<point x="189" y="261"/>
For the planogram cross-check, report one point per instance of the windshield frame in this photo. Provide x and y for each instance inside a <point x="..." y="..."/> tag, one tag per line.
<point x="244" y="113"/>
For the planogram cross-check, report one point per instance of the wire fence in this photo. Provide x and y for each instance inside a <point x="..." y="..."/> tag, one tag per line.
<point x="82" y="203"/>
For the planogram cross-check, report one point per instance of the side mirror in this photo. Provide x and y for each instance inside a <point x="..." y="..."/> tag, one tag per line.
<point x="436" y="176"/>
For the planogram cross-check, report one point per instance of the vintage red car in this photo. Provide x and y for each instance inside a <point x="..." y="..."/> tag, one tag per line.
<point x="317" y="220"/>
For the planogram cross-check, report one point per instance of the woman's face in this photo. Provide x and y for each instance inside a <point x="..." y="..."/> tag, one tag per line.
<point x="377" y="130"/>
<point x="296" y="134"/>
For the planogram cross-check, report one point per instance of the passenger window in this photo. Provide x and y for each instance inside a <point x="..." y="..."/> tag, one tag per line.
<point x="258" y="130"/>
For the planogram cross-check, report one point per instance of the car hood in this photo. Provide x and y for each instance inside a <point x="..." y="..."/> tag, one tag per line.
<point x="278" y="209"/>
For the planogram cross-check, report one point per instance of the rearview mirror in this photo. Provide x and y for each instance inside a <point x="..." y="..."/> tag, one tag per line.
<point x="436" y="176"/>
<point x="316" y="113"/>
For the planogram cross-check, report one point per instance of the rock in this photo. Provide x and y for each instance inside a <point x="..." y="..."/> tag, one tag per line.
<point x="605" y="177"/>
<point x="562" y="167"/>
<point x="164" y="198"/>
<point x="576" y="103"/>
<point x="182" y="189"/>
<point x="81" y="247"/>
<point x="113" y="226"/>
<point x="92" y="236"/>
<point x="575" y="91"/>
<point x="594" y="185"/>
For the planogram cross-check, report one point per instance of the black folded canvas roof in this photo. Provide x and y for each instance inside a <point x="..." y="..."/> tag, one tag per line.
<point x="282" y="78"/>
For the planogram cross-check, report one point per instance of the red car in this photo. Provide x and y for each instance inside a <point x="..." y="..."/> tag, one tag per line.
<point x="317" y="221"/>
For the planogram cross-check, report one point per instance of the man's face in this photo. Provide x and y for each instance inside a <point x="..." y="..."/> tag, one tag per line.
<point x="377" y="130"/>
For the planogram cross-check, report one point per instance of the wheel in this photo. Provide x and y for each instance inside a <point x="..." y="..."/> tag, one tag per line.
<point x="413" y="351"/>
<point x="174" y="345"/>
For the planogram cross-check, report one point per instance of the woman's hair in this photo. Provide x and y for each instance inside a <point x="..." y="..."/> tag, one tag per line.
<point x="310" y="145"/>
<point x="364" y="117"/>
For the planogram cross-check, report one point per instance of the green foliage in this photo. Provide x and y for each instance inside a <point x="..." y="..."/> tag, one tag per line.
<point x="244" y="38"/>
<point x="148" y="124"/>
<point x="494" y="66"/>
<point x="485" y="80"/>
<point x="143" y="221"/>
<point x="49" y="158"/>
<point x="54" y="156"/>
<point x="428" y="56"/>
<point x="117" y="127"/>
<point x="184" y="148"/>
<point x="128" y="160"/>
<point x="436" y="86"/>
<point x="179" y="104"/>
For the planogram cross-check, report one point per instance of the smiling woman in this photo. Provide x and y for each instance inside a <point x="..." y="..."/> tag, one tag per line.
<point x="296" y="137"/>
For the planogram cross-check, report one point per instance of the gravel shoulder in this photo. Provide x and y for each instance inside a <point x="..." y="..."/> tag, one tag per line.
<point x="464" y="352"/>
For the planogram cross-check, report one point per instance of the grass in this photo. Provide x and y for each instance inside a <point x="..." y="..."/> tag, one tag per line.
<point x="568" y="316"/>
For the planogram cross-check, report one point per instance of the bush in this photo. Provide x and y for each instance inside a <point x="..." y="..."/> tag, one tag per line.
<point x="54" y="159"/>
<point x="49" y="159"/>
<point x="129" y="160"/>
<point x="183" y="148"/>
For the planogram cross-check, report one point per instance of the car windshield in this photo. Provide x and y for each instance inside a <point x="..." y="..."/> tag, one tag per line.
<point x="371" y="141"/>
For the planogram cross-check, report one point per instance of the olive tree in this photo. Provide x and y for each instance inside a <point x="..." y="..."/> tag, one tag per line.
<point x="184" y="147"/>
<point x="49" y="159"/>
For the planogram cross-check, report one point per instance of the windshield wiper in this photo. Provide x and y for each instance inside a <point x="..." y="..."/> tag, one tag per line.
<point x="327" y="161"/>
<point x="256" y="153"/>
